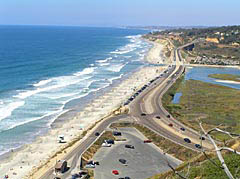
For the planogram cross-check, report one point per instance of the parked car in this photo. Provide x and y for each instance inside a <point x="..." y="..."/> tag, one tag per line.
<point x="116" y="133"/>
<point x="147" y="141"/>
<point x="182" y="129"/>
<point x="143" y="114"/>
<point x="110" y="141"/>
<point x="104" y="144"/>
<point x="198" y="146"/>
<point x="158" y="117"/>
<point x="115" y="172"/>
<point x="168" y="116"/>
<point x="129" y="146"/>
<point x="89" y="166"/>
<point x="127" y="178"/>
<point x="187" y="140"/>
<point x="123" y="161"/>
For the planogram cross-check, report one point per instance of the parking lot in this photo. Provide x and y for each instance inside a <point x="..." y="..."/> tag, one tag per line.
<point x="143" y="161"/>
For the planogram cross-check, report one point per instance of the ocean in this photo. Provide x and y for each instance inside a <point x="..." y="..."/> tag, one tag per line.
<point x="45" y="68"/>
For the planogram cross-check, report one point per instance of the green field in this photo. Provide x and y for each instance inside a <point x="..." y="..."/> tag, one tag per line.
<point x="225" y="77"/>
<point x="210" y="103"/>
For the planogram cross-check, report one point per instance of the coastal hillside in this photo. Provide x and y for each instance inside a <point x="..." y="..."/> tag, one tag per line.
<point x="212" y="46"/>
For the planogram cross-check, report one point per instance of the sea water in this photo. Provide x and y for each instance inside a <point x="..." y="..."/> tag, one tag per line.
<point x="43" y="68"/>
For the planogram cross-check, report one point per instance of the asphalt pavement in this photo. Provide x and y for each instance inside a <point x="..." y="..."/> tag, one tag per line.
<point x="143" y="161"/>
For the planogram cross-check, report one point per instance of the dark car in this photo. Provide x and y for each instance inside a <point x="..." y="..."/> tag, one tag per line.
<point x="198" y="146"/>
<point x="202" y="138"/>
<point x="158" y="117"/>
<point x="147" y="141"/>
<point x="170" y="125"/>
<point x="187" y="140"/>
<point x="182" y="129"/>
<point x="127" y="178"/>
<point x="74" y="176"/>
<point x="129" y="146"/>
<point x="97" y="134"/>
<point x="168" y="116"/>
<point x="116" y="133"/>
<point x="110" y="141"/>
<point x="123" y="161"/>
<point x="143" y="114"/>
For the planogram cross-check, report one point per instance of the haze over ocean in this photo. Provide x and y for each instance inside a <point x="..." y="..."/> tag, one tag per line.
<point x="42" y="68"/>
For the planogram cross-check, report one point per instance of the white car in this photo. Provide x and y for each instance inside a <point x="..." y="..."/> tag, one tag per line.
<point x="90" y="166"/>
<point x="106" y="144"/>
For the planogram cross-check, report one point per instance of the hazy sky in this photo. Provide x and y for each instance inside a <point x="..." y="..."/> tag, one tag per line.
<point x="120" y="12"/>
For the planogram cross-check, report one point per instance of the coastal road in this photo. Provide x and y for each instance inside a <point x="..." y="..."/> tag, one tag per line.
<point x="75" y="154"/>
<point x="149" y="102"/>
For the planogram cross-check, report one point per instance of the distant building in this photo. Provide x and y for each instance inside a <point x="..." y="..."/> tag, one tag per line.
<point x="214" y="40"/>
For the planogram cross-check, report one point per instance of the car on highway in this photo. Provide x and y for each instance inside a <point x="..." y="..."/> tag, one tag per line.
<point x="198" y="146"/>
<point x="170" y="125"/>
<point x="129" y="146"/>
<point x="143" y="114"/>
<point x="187" y="140"/>
<point x="182" y="129"/>
<point x="115" y="172"/>
<point x="147" y="141"/>
<point x="202" y="138"/>
<point x="97" y="134"/>
<point x="158" y="117"/>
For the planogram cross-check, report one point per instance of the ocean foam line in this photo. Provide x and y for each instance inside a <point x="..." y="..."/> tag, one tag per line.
<point x="34" y="119"/>
<point x="85" y="71"/>
<point x="42" y="82"/>
<point x="116" y="68"/>
<point x="7" y="110"/>
<point x="59" y="82"/>
<point x="115" y="78"/>
<point x="104" y="64"/>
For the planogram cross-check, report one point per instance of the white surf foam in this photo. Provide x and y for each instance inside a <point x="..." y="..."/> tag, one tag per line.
<point x="41" y="83"/>
<point x="7" y="109"/>
<point x="116" y="67"/>
<point x="85" y="71"/>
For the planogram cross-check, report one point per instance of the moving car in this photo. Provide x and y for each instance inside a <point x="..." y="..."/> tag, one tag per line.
<point x="182" y="129"/>
<point x="202" y="138"/>
<point x="129" y="146"/>
<point x="147" y="141"/>
<point x="170" y="125"/>
<point x="158" y="117"/>
<point x="97" y="134"/>
<point x="198" y="146"/>
<point x="115" y="172"/>
<point x="187" y="140"/>
<point x="168" y="116"/>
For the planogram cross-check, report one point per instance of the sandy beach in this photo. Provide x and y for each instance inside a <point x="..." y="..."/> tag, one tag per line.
<point x="26" y="161"/>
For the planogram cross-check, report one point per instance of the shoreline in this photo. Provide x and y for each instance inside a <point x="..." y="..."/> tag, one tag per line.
<point x="31" y="156"/>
